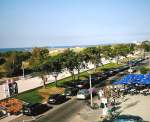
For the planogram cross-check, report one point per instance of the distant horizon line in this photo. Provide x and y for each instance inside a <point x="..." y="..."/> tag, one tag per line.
<point x="67" y="46"/>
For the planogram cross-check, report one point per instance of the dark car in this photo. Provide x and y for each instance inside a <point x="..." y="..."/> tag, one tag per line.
<point x="110" y="72"/>
<point x="83" y="84"/>
<point x="56" y="99"/>
<point x="34" y="109"/>
<point x="125" y="67"/>
<point x="3" y="112"/>
<point x="71" y="91"/>
<point x="128" y="118"/>
<point x="70" y="84"/>
<point x="101" y="76"/>
<point x="117" y="70"/>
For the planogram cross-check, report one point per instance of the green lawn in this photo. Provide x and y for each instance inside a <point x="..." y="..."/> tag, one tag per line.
<point x="30" y="97"/>
<point x="33" y="96"/>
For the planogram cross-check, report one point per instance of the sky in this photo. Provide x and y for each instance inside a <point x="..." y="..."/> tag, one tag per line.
<point x="32" y="23"/>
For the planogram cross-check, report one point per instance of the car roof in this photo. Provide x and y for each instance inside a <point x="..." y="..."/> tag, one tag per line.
<point x="32" y="104"/>
<point x="54" y="95"/>
<point x="83" y="90"/>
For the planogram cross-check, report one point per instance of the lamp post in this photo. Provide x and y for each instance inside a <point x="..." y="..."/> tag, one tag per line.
<point x="130" y="63"/>
<point x="23" y="69"/>
<point x="90" y="72"/>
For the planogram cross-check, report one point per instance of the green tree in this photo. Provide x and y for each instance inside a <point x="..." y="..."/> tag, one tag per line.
<point x="120" y="50"/>
<point x="69" y="63"/>
<point x="39" y="55"/>
<point x="144" y="70"/>
<point x="79" y="62"/>
<point x="92" y="55"/>
<point x="13" y="64"/>
<point x="56" y="66"/>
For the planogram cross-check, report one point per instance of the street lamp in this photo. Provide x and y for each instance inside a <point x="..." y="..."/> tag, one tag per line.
<point x="23" y="69"/>
<point x="90" y="72"/>
<point x="130" y="63"/>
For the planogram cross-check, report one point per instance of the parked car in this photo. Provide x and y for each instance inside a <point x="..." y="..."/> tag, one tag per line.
<point x="71" y="91"/>
<point x="117" y="70"/>
<point x="83" y="84"/>
<point x="56" y="99"/>
<point x="83" y="94"/>
<point x="34" y="109"/>
<point x="71" y="84"/>
<point x="101" y="76"/>
<point x="128" y="118"/>
<point x="110" y="72"/>
<point x="3" y="112"/>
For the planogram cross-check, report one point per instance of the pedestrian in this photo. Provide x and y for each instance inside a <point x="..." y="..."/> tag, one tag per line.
<point x="100" y="94"/>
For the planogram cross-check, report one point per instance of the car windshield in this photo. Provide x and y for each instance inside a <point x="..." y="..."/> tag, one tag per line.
<point x="125" y="120"/>
<point x="82" y="91"/>
<point x="68" y="90"/>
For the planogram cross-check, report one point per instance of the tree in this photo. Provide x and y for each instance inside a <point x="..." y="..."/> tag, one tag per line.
<point x="144" y="70"/>
<point x="39" y="55"/>
<point x="107" y="52"/>
<point x="99" y="54"/>
<point x="92" y="55"/>
<point x="13" y="64"/>
<point x="53" y="65"/>
<point x="44" y="69"/>
<point x="145" y="45"/>
<point x="120" y="50"/>
<point x="69" y="63"/>
<point x="56" y="64"/>
<point x="2" y="60"/>
<point x="79" y="62"/>
<point x="44" y="53"/>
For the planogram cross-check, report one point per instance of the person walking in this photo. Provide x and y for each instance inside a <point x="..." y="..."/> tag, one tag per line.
<point x="100" y="93"/>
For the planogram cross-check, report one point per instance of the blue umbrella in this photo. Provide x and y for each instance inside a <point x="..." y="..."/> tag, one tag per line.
<point x="145" y="81"/>
<point x="117" y="83"/>
<point x="125" y="80"/>
<point x="134" y="79"/>
<point x="138" y="78"/>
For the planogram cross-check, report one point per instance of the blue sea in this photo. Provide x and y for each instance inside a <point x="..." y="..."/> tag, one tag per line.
<point x="49" y="47"/>
<point x="30" y="48"/>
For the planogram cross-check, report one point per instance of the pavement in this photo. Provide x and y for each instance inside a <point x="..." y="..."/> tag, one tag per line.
<point x="10" y="118"/>
<point x="137" y="105"/>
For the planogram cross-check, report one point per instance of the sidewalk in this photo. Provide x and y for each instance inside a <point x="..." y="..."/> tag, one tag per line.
<point x="88" y="114"/>
<point x="9" y="118"/>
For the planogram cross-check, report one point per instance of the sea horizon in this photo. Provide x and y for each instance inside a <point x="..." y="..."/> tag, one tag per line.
<point x="49" y="47"/>
<point x="6" y="49"/>
<point x="30" y="48"/>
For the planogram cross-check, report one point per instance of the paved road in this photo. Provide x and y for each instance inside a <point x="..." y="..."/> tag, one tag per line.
<point x="60" y="113"/>
<point x="64" y="113"/>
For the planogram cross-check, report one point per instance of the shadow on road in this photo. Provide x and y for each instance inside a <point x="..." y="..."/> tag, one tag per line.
<point x="131" y="104"/>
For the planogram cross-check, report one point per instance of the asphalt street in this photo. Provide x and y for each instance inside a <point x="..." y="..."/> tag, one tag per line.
<point x="59" y="113"/>
<point x="63" y="113"/>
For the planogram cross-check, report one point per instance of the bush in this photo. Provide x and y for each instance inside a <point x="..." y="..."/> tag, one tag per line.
<point x="144" y="70"/>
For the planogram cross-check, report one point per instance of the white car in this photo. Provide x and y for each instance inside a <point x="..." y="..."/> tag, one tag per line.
<point x="83" y="94"/>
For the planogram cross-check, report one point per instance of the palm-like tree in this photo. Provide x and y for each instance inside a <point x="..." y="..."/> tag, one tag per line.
<point x="68" y="59"/>
<point x="92" y="55"/>
<point x="79" y="62"/>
